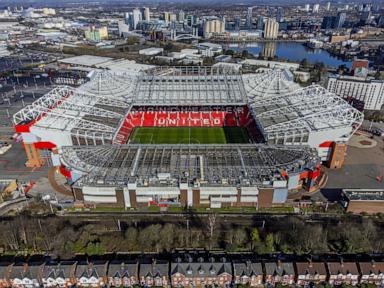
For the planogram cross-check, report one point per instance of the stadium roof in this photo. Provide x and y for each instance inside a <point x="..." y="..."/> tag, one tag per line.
<point x="280" y="106"/>
<point x="245" y="164"/>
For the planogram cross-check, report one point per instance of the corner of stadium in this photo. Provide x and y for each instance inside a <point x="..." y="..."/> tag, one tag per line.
<point x="188" y="136"/>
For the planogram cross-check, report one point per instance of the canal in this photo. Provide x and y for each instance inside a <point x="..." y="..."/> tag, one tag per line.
<point x="290" y="51"/>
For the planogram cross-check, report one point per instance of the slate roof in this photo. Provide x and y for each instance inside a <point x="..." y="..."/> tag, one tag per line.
<point x="122" y="269"/>
<point x="247" y="268"/>
<point x="368" y="268"/>
<point x="63" y="269"/>
<point x="201" y="268"/>
<point x="95" y="269"/>
<point x="341" y="267"/>
<point x="4" y="269"/>
<point x="155" y="269"/>
<point x="17" y="271"/>
<point x="279" y="268"/>
<point x="311" y="268"/>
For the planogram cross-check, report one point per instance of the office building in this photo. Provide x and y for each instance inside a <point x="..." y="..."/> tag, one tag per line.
<point x="260" y="23"/>
<point x="214" y="26"/>
<point x="271" y="29"/>
<point x="328" y="22"/>
<point x="328" y="6"/>
<point x="307" y="7"/>
<point x="166" y="17"/>
<point x="370" y="91"/>
<point x="95" y="34"/>
<point x="249" y="18"/>
<point x="146" y="14"/>
<point x="181" y="16"/>
<point x="237" y="23"/>
<point x="279" y="14"/>
<point x="340" y="19"/>
<point x="133" y="18"/>
<point x="315" y="8"/>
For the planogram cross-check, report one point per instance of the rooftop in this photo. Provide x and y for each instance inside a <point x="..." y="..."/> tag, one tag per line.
<point x="364" y="194"/>
<point x="171" y="165"/>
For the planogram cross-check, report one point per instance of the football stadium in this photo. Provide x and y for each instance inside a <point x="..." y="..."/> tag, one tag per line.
<point x="187" y="136"/>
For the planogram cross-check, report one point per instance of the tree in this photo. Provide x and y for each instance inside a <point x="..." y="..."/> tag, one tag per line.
<point x="269" y="243"/>
<point x="131" y="237"/>
<point x="304" y="63"/>
<point x="255" y="238"/>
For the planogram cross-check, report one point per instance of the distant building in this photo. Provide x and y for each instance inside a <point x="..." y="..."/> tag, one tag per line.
<point x="212" y="27"/>
<point x="307" y="7"/>
<point x="181" y="17"/>
<point x="360" y="63"/>
<point x="248" y="22"/>
<point x="152" y="51"/>
<point x="340" y="19"/>
<point x="133" y="18"/>
<point x="370" y="91"/>
<point x="271" y="29"/>
<point x="209" y="49"/>
<point x="146" y="14"/>
<point x="166" y="17"/>
<point x="123" y="27"/>
<point x="260" y="23"/>
<point x="237" y="23"/>
<point x="279" y="14"/>
<point x="95" y="34"/>
<point x="136" y="18"/>
<point x="334" y="22"/>
<point x="327" y="23"/>
<point x="316" y="8"/>
<point x="328" y="6"/>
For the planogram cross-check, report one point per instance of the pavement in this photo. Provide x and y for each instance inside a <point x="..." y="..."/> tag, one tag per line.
<point x="12" y="165"/>
<point x="362" y="166"/>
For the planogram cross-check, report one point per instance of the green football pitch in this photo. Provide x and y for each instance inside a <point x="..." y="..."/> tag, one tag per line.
<point x="192" y="135"/>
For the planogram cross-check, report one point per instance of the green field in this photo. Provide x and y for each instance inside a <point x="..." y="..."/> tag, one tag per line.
<point x="193" y="135"/>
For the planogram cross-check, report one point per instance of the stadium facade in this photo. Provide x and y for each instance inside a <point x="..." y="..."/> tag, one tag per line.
<point x="87" y="133"/>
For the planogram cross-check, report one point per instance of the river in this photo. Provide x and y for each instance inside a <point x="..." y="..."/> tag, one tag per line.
<point x="290" y="51"/>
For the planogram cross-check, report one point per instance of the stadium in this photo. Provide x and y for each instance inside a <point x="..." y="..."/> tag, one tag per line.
<point x="187" y="136"/>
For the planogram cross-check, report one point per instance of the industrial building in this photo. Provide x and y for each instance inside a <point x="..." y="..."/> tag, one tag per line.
<point x="87" y="133"/>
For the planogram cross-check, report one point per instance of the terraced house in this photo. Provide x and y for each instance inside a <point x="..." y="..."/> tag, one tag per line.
<point x="201" y="273"/>
<point x="279" y="273"/>
<point x="310" y="272"/>
<point x="123" y="274"/>
<point x="343" y="273"/>
<point x="248" y="273"/>
<point x="372" y="272"/>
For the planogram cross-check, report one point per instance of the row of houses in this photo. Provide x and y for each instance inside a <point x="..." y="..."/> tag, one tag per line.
<point x="188" y="271"/>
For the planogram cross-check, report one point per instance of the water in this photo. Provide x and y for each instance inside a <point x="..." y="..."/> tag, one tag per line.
<point x="291" y="51"/>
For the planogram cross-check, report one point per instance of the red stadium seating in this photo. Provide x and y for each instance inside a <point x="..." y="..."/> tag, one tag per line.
<point x="184" y="117"/>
